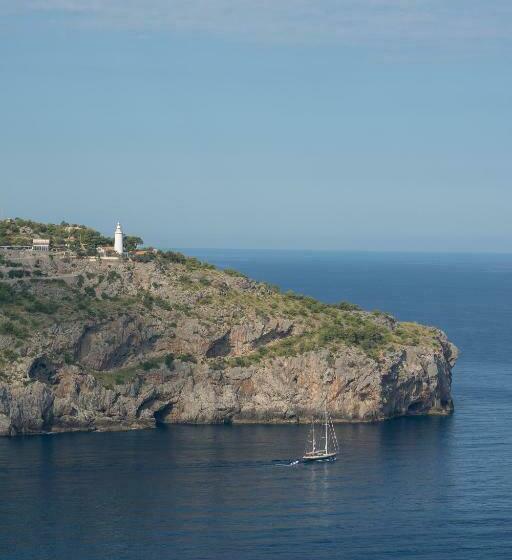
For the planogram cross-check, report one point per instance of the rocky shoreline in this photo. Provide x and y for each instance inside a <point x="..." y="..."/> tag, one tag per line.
<point x="94" y="345"/>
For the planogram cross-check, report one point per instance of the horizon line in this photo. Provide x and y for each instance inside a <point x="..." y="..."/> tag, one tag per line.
<point x="297" y="250"/>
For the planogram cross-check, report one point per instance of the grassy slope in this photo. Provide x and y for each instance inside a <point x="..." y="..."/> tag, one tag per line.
<point x="24" y="310"/>
<point x="30" y="302"/>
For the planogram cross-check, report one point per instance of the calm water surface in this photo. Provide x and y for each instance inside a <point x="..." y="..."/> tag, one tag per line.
<point x="408" y="488"/>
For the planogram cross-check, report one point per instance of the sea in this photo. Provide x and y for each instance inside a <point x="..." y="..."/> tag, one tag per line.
<point x="409" y="488"/>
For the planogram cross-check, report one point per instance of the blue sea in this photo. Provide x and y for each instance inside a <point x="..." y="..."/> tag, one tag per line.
<point x="418" y="488"/>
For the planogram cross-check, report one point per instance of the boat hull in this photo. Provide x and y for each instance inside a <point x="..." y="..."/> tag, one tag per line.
<point x="310" y="457"/>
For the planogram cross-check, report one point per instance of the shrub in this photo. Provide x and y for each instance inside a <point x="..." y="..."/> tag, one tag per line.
<point x="233" y="272"/>
<point x="148" y="257"/>
<point x="6" y="293"/>
<point x="187" y="358"/>
<point x="183" y="308"/>
<point x="90" y="291"/>
<point x="10" y="355"/>
<point x="185" y="280"/>
<point x="147" y="300"/>
<point x="11" y="329"/>
<point x="68" y="358"/>
<point x="131" y="242"/>
<point x="365" y="334"/>
<point x="15" y="315"/>
<point x="113" y="275"/>
<point x="38" y="306"/>
<point x="17" y="273"/>
<point x="218" y="364"/>
<point x="150" y="364"/>
<point x="169" y="361"/>
<point x="347" y="306"/>
<point x="173" y="256"/>
<point x="246" y="361"/>
<point x="192" y="263"/>
<point x="162" y="303"/>
<point x="208" y="266"/>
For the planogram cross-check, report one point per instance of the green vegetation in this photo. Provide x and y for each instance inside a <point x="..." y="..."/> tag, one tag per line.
<point x="185" y="280"/>
<point x="18" y="273"/>
<point x="6" y="293"/>
<point x="169" y="361"/>
<point x="187" y="358"/>
<point x="162" y="303"/>
<point x="90" y="291"/>
<point x="347" y="306"/>
<point x="150" y="364"/>
<point x="40" y="306"/>
<point x="12" y="300"/>
<point x="113" y="275"/>
<point x="126" y="375"/>
<point x="10" y="328"/>
<point x="117" y="377"/>
<point x="173" y="257"/>
<point x="79" y="238"/>
<point x="68" y="358"/>
<point x="131" y="242"/>
<point x="10" y="355"/>
<point x="149" y="300"/>
<point x="43" y="302"/>
<point x="233" y="272"/>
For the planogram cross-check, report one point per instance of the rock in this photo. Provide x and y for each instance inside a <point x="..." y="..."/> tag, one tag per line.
<point x="26" y="409"/>
<point x="133" y="344"/>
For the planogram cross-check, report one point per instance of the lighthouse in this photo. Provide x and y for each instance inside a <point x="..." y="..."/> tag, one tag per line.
<point x="118" y="239"/>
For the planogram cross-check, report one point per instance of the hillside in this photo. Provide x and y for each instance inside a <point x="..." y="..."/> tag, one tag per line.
<point x="75" y="237"/>
<point x="99" y="345"/>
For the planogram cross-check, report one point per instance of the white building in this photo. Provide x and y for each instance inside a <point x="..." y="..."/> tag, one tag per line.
<point x="107" y="251"/>
<point x="118" y="239"/>
<point x="40" y="244"/>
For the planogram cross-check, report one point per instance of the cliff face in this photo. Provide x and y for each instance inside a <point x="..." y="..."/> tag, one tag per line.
<point x="90" y="345"/>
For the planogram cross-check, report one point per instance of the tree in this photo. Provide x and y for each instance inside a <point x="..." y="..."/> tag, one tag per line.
<point x="131" y="242"/>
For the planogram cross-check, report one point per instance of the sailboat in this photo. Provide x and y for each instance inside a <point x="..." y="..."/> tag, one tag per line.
<point x="326" y="448"/>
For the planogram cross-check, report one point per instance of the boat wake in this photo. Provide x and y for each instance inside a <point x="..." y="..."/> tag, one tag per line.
<point x="288" y="463"/>
<point x="295" y="462"/>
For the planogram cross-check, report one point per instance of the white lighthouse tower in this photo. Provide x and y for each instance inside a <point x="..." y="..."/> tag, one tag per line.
<point x="118" y="239"/>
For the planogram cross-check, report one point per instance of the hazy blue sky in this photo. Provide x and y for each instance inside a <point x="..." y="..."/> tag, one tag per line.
<point x="336" y="124"/>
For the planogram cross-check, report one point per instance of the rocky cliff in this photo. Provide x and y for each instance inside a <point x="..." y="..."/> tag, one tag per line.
<point x="110" y="345"/>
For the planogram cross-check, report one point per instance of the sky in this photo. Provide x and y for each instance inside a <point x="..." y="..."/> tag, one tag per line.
<point x="382" y="125"/>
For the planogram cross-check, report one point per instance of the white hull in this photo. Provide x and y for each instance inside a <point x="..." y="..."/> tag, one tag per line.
<point x="318" y="457"/>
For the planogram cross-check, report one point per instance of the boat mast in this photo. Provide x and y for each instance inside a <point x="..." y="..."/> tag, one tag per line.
<point x="326" y="434"/>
